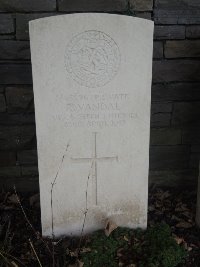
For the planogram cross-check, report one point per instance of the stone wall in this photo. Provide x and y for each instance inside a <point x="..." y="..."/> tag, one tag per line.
<point x="175" y="119"/>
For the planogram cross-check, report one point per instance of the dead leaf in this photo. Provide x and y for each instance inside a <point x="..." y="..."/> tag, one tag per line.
<point x="126" y="239"/>
<point x="13" y="199"/>
<point x="74" y="253"/>
<point x="179" y="240"/>
<point x="182" y="207"/>
<point x="77" y="264"/>
<point x="119" y="252"/>
<point x="164" y="195"/>
<point x="184" y="225"/>
<point x="110" y="226"/>
<point x="14" y="264"/>
<point x="34" y="199"/>
<point x="188" y="214"/>
<point x="151" y="208"/>
<point x="85" y="250"/>
<point x="175" y="218"/>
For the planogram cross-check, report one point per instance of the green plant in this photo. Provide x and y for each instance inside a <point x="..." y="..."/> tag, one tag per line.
<point x="153" y="248"/>
<point x="103" y="250"/>
<point x="161" y="249"/>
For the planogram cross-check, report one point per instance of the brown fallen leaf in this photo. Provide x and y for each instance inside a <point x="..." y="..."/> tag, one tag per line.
<point x="182" y="207"/>
<point x="13" y="199"/>
<point x="85" y="250"/>
<point x="14" y="264"/>
<point x="184" y="225"/>
<point x="178" y="240"/>
<point x="126" y="238"/>
<point x="77" y="264"/>
<point x="34" y="199"/>
<point x="109" y="227"/>
<point x="74" y="253"/>
<point x="120" y="252"/>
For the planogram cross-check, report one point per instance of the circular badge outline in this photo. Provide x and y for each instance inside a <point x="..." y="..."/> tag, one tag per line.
<point x="74" y="76"/>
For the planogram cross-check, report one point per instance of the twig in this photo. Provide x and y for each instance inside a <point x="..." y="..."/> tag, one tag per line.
<point x="12" y="257"/>
<point x="86" y="208"/>
<point x="31" y="244"/>
<point x="52" y="213"/>
<point x="52" y="187"/>
<point x="6" y="260"/>
<point x="29" y="223"/>
<point x="23" y="211"/>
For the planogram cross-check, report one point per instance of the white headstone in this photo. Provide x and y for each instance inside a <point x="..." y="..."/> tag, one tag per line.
<point x="92" y="87"/>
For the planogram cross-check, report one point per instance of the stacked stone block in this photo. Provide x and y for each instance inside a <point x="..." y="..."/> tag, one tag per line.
<point x="175" y="119"/>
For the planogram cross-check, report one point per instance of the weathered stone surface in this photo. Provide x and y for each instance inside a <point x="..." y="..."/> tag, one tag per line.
<point x="7" y="158"/>
<point x="186" y="48"/>
<point x="2" y="103"/>
<point x="165" y="136"/>
<point x="177" y="5"/>
<point x="161" y="114"/>
<point x="22" y="31"/>
<point x="158" y="49"/>
<point x="27" y="157"/>
<point x="185" y="113"/>
<point x="164" y="107"/>
<point x="7" y="37"/>
<point x="11" y="49"/>
<point x="160" y="119"/>
<point x="29" y="171"/>
<point x="169" y="157"/>
<point x="91" y="5"/>
<point x="16" y="137"/>
<point x="176" y="91"/>
<point x="169" y="32"/>
<point x="187" y="16"/>
<point x="143" y="15"/>
<point x="193" y="31"/>
<point x="174" y="178"/>
<point x="6" y="24"/>
<point x="97" y="126"/>
<point x="176" y="70"/>
<point x="11" y="171"/>
<point x="191" y="135"/>
<point x="19" y="99"/>
<point x="27" y="5"/>
<point x="177" y="12"/>
<point x="16" y="119"/>
<point x="195" y="149"/>
<point x="15" y="73"/>
<point x="194" y="160"/>
<point x="138" y="5"/>
<point x="24" y="184"/>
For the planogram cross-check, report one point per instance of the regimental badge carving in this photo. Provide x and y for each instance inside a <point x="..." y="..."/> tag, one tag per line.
<point x="92" y="58"/>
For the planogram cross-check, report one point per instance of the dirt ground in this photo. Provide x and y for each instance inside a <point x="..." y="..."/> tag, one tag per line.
<point x="21" y="243"/>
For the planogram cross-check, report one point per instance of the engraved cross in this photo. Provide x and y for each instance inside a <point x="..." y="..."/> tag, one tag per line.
<point x="94" y="159"/>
